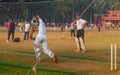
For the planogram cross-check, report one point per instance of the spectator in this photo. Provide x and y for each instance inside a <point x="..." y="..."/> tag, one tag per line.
<point x="20" y="24"/>
<point x="72" y="28"/>
<point x="11" y="29"/>
<point x="32" y="28"/>
<point x="27" y="29"/>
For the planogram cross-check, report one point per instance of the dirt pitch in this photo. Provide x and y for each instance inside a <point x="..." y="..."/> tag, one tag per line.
<point x="96" y="61"/>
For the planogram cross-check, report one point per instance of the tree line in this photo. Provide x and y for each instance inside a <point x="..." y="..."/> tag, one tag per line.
<point x="54" y="10"/>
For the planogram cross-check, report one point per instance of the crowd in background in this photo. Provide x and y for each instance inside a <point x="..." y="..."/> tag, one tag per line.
<point x="29" y="27"/>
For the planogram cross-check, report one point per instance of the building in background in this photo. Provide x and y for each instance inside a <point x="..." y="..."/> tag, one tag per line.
<point x="112" y="16"/>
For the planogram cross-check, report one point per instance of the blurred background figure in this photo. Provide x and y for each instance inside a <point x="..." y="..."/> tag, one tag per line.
<point x="32" y="28"/>
<point x="20" y="24"/>
<point x="27" y="29"/>
<point x="11" y="29"/>
<point x="72" y="28"/>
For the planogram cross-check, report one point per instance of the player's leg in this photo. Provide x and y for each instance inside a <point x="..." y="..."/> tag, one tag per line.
<point x="37" y="48"/>
<point x="74" y="33"/>
<point x="24" y="35"/>
<point x="77" y="44"/>
<point x="48" y="51"/>
<point x="71" y="32"/>
<point x="82" y="34"/>
<point x="20" y="29"/>
<point x="82" y="44"/>
<point x="77" y="40"/>
<point x="30" y="34"/>
<point x="13" y="35"/>
<point x="27" y="35"/>
<point x="8" y="36"/>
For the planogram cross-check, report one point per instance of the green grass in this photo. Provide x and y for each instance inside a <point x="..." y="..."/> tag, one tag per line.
<point x="18" y="58"/>
<point x="17" y="69"/>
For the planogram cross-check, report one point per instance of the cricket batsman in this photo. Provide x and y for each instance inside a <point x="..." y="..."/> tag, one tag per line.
<point x="42" y="39"/>
<point x="80" y="24"/>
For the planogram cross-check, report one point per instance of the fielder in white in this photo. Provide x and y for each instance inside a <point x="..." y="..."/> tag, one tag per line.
<point x="80" y="24"/>
<point x="42" y="39"/>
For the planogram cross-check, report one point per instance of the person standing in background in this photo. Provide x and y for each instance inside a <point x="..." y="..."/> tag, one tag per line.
<point x="20" y="24"/>
<point x="80" y="24"/>
<point x="27" y="29"/>
<point x="72" y="28"/>
<point x="32" y="28"/>
<point x="11" y="29"/>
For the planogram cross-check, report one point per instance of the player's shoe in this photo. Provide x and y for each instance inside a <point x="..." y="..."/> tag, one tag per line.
<point x="55" y="59"/>
<point x="83" y="51"/>
<point x="38" y="58"/>
<point x="34" y="68"/>
<point x="7" y="41"/>
<point x="77" y="50"/>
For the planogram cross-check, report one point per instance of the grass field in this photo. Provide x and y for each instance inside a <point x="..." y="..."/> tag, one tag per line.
<point x="19" y="58"/>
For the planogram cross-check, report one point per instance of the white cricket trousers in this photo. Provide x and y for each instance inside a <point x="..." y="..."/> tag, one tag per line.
<point x="42" y="39"/>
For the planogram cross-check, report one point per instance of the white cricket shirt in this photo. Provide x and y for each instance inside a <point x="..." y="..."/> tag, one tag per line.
<point x="42" y="27"/>
<point x="80" y="23"/>
<point x="27" y="27"/>
<point x="72" y="26"/>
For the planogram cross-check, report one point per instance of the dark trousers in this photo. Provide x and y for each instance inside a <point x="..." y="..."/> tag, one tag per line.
<point x="26" y="35"/>
<point x="72" y="32"/>
<point x="80" y="33"/>
<point x="9" y="33"/>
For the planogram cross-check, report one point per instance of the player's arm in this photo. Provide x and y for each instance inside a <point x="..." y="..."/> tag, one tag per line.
<point x="24" y="26"/>
<point x="74" y="23"/>
<point x="38" y="18"/>
<point x="84" y="24"/>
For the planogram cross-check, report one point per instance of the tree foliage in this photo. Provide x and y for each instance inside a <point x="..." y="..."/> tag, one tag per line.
<point x="54" y="10"/>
